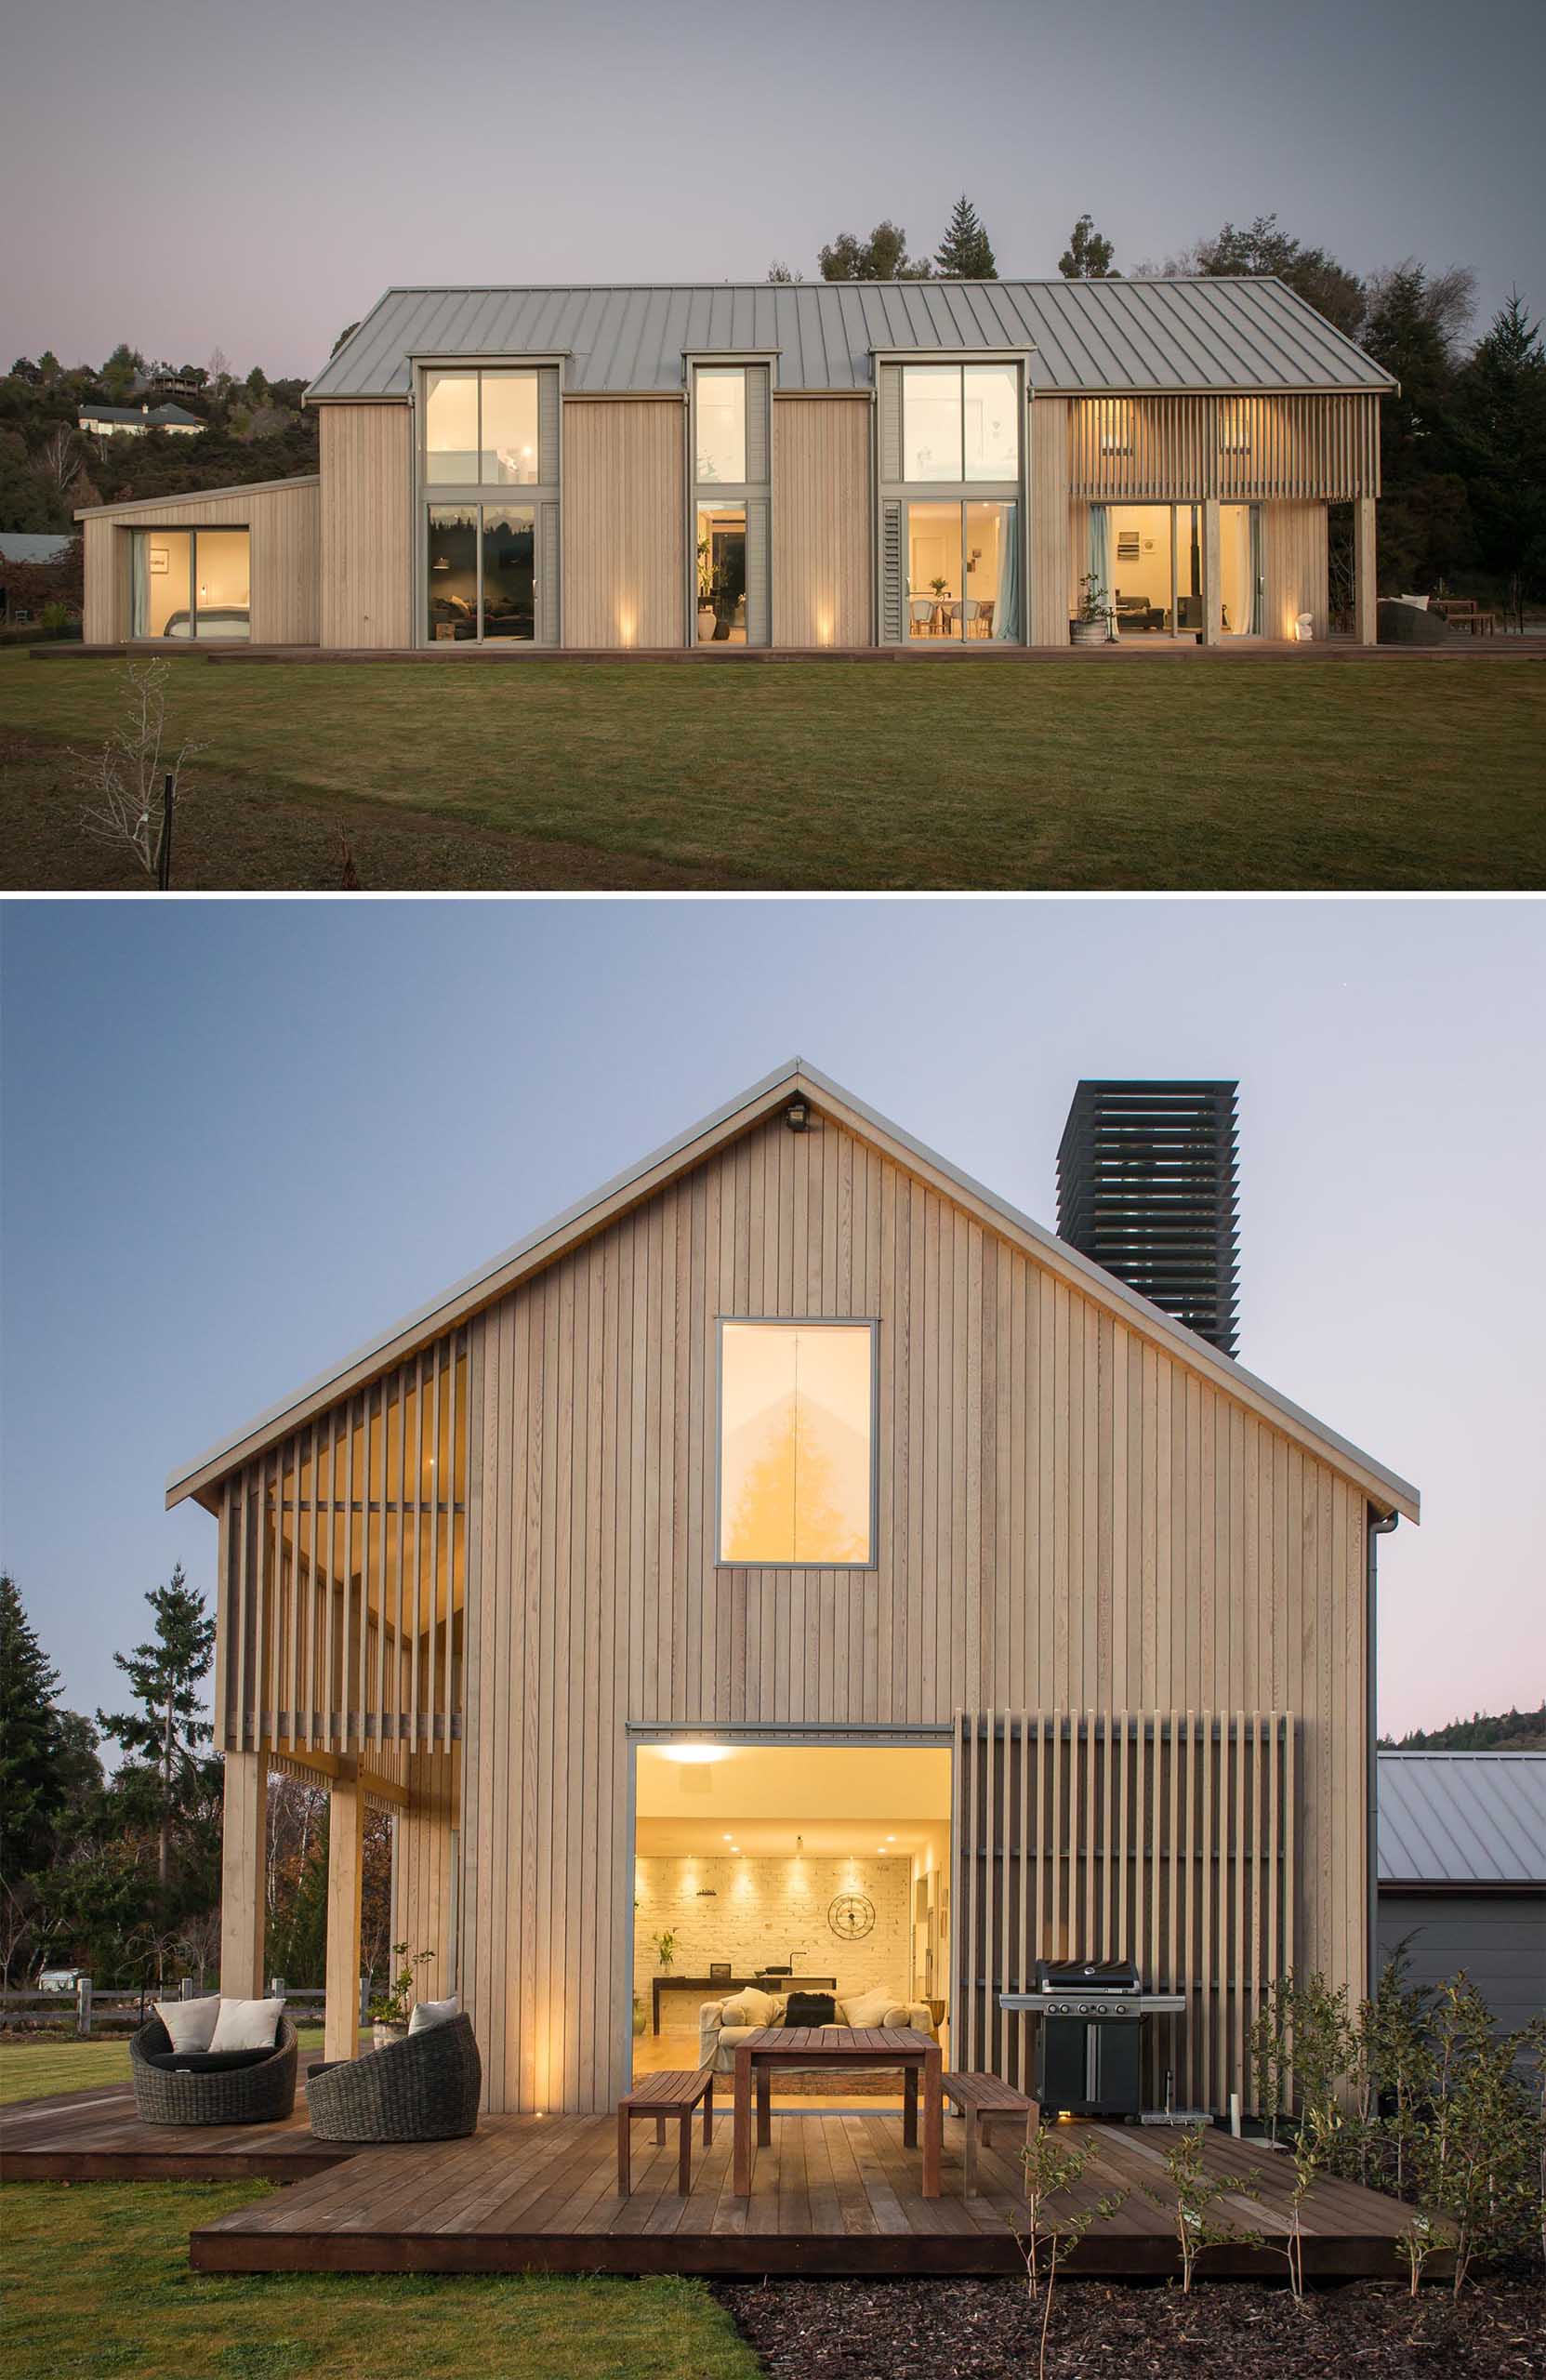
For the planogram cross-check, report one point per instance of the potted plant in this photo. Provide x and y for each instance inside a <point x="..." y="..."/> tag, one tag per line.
<point x="1091" y="622"/>
<point x="389" y="2011"/>
<point x="665" y="1948"/>
<point x="728" y="580"/>
<point x="638" y="2014"/>
<point x="706" y="586"/>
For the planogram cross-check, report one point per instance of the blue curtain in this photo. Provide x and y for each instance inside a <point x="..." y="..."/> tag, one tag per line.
<point x="1257" y="591"/>
<point x="1005" y="611"/>
<point x="140" y="612"/>
<point x="1100" y="551"/>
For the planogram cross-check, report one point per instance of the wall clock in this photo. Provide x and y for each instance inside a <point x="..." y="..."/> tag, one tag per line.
<point x="852" y="1916"/>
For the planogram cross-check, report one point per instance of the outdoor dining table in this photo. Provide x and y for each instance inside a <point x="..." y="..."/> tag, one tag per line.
<point x="838" y="2046"/>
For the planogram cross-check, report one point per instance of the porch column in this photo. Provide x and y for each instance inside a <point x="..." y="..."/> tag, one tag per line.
<point x="243" y="1874"/>
<point x="1366" y="598"/>
<point x="346" y="1846"/>
<point x="1212" y="592"/>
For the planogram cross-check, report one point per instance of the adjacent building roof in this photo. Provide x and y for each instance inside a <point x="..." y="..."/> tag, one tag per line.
<point x="1462" y="1818"/>
<point x="17" y="545"/>
<point x="144" y="416"/>
<point x="1159" y="335"/>
<point x="762" y="1099"/>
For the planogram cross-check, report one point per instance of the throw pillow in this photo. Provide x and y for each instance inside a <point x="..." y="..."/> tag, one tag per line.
<point x="869" y="2008"/>
<point x="749" y="2006"/>
<point x="190" y="2023"/>
<point x="431" y="2012"/>
<point x="811" y="2008"/>
<point x="247" y="2023"/>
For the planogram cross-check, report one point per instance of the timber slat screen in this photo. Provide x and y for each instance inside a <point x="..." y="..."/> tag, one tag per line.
<point x="1240" y="449"/>
<point x="343" y="1569"/>
<point x="1165" y="1837"/>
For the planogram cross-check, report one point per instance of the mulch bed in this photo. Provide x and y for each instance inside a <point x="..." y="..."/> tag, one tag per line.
<point x="986" y="2330"/>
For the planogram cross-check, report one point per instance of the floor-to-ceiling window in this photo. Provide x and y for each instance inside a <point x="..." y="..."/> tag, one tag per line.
<point x="482" y="438"/>
<point x="1148" y="559"/>
<point x="721" y="548"/>
<point x="959" y="431"/>
<point x="193" y="583"/>
<point x="1240" y="569"/>
<point x="731" y="446"/>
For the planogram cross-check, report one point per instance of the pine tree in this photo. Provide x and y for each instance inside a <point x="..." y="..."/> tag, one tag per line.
<point x="966" y="252"/>
<point x="169" y="1726"/>
<point x="33" y="1786"/>
<point x="1088" y="256"/>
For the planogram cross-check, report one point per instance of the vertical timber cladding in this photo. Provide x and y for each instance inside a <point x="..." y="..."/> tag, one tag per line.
<point x="367" y="556"/>
<point x="1070" y="1519"/>
<point x="281" y="520"/>
<point x="624" y="525"/>
<point x="343" y="1574"/>
<point x="822" y="536"/>
<point x="1162" y="1836"/>
<point x="1238" y="448"/>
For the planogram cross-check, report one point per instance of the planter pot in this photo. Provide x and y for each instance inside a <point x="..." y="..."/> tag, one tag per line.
<point x="1088" y="631"/>
<point x="383" y="2036"/>
<point x="639" y="2021"/>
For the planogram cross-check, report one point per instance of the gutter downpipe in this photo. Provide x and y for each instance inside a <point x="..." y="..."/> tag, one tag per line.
<point x="1379" y="1525"/>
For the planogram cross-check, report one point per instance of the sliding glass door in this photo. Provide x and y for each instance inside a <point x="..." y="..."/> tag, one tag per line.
<point x="963" y="571"/>
<point x="1148" y="557"/>
<point x="482" y="572"/>
<point x="191" y="583"/>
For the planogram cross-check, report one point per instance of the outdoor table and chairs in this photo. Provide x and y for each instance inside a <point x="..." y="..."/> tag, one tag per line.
<point x="839" y="2047"/>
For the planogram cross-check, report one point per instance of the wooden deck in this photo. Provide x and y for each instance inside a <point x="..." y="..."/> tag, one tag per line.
<point x="834" y="2195"/>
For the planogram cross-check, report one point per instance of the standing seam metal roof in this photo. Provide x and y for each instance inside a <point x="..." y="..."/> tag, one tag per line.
<point x="1161" y="336"/>
<point x="1462" y="1818"/>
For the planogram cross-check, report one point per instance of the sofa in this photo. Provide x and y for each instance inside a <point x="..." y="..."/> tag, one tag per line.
<point x="722" y="2024"/>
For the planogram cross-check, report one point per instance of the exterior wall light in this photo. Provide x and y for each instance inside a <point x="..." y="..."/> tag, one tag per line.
<point x="797" y="1115"/>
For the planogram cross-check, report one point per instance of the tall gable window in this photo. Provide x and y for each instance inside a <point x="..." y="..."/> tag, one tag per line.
<point x="481" y="429"/>
<point x="797" y="1444"/>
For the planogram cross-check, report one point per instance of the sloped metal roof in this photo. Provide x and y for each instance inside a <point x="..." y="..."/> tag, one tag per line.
<point x="1093" y="336"/>
<point x="1462" y="1818"/>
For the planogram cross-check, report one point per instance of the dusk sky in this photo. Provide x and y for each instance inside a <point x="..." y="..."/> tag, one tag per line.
<point x="194" y="173"/>
<point x="241" y="1138"/>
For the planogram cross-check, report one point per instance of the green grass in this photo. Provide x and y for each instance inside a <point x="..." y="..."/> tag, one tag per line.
<point x="36" y="2066"/>
<point x="1242" y="773"/>
<point x="96" y="2283"/>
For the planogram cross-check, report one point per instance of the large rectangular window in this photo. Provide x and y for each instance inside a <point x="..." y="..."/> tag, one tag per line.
<point x="481" y="572"/>
<point x="963" y="571"/>
<point x="721" y="543"/>
<point x="961" y="422"/>
<point x="797" y="1444"/>
<point x="720" y="411"/>
<point x="191" y="583"/>
<point x="481" y="429"/>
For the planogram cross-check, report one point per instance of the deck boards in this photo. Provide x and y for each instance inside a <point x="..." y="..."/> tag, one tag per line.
<point x="836" y="2194"/>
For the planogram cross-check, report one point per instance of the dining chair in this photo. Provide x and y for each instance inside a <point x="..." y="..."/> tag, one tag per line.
<point x="971" y="610"/>
<point x="920" y="612"/>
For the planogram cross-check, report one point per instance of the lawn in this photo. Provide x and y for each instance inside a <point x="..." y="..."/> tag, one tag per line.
<point x="97" y="2281"/>
<point x="1178" y="775"/>
<point x="36" y="2066"/>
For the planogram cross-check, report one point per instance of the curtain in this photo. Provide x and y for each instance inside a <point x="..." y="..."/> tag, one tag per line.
<point x="1100" y="551"/>
<point x="1256" y="587"/>
<point x="1005" y="611"/>
<point x="140" y="584"/>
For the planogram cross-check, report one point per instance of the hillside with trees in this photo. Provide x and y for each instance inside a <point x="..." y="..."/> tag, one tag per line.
<point x="1509" y="1731"/>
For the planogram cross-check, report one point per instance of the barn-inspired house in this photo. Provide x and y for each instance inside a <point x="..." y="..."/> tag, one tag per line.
<point x="934" y="466"/>
<point x="796" y="1554"/>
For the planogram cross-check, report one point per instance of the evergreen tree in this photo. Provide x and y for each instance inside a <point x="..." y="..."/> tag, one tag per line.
<point x="33" y="1782"/>
<point x="1426" y="532"/>
<point x="966" y="252"/>
<point x="169" y="1725"/>
<point x="1088" y="256"/>
<point x="1503" y="393"/>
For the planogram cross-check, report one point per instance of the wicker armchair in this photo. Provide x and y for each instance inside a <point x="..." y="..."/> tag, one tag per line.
<point x="424" y="2088"/>
<point x="263" y="2092"/>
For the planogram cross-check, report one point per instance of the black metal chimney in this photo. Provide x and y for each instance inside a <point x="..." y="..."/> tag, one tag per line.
<point x="1146" y="1188"/>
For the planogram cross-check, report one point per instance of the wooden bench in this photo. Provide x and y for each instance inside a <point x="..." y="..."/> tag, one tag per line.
<point x="984" y="2100"/>
<point x="675" y="2093"/>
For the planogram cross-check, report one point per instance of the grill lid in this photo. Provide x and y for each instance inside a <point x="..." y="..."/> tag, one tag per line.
<point x="1087" y="1975"/>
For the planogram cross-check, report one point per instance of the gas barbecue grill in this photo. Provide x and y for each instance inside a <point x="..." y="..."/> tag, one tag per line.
<point x="1090" y="2033"/>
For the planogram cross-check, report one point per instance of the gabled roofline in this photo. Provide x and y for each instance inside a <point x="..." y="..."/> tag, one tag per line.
<point x="197" y="496"/>
<point x="1384" y="1487"/>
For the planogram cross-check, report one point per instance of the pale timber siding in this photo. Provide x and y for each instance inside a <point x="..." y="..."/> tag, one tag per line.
<point x="1134" y="449"/>
<point x="367" y="454"/>
<point x="822" y="538"/>
<point x="1055" y="566"/>
<point x="1071" y="1520"/>
<point x="625" y="529"/>
<point x="283" y="558"/>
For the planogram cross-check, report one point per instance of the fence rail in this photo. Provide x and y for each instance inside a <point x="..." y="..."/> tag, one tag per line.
<point x="88" y="2010"/>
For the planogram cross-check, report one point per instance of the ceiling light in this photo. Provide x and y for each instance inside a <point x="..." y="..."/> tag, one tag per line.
<point x="891" y="1838"/>
<point x="695" y="1755"/>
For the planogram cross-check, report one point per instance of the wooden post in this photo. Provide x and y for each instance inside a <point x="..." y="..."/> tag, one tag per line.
<point x="1365" y="596"/>
<point x="346" y="1845"/>
<point x="1213" y="564"/>
<point x="244" y="1864"/>
<point x="83" y="2006"/>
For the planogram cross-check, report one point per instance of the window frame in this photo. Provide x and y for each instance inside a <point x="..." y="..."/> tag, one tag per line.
<point x="190" y="531"/>
<point x="797" y="1322"/>
<point x="545" y="494"/>
<point x="960" y="365"/>
<point x="478" y="373"/>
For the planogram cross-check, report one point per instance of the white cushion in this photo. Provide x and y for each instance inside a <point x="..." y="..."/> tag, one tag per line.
<point x="190" y="2023"/>
<point x="431" y="2012"/>
<point x="247" y="2024"/>
<point x="749" y="2007"/>
<point x="871" y="2008"/>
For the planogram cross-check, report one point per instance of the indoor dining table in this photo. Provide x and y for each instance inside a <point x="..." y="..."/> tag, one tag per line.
<point x="839" y="2046"/>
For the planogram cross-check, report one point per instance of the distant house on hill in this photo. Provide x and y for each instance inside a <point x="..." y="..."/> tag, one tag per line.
<point x="114" y="421"/>
<point x="1463" y="1872"/>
